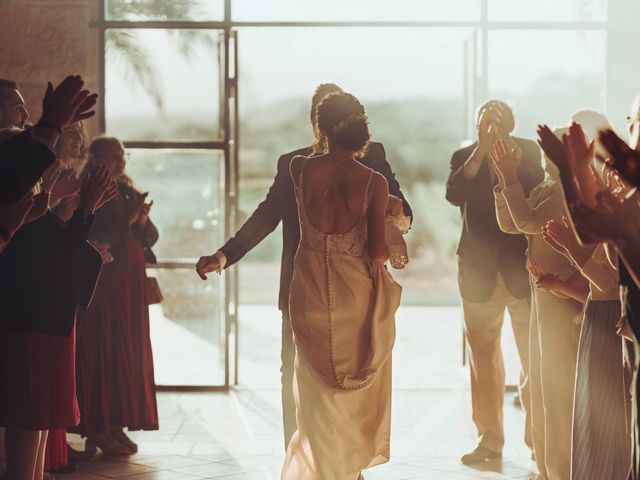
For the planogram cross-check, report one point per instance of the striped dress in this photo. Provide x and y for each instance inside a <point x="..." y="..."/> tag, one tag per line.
<point x="601" y="440"/>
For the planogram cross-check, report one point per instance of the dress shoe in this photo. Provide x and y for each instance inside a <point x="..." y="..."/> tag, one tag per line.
<point x="480" y="454"/>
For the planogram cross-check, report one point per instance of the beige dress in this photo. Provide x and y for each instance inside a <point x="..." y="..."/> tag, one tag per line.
<point x="343" y="318"/>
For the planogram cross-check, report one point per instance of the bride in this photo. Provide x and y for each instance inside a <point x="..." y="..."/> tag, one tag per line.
<point x="342" y="304"/>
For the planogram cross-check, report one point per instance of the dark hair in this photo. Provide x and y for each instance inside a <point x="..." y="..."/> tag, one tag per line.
<point x="341" y="117"/>
<point x="6" y="85"/>
<point x="322" y="91"/>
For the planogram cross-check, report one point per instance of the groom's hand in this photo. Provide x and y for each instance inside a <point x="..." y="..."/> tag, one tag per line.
<point x="206" y="265"/>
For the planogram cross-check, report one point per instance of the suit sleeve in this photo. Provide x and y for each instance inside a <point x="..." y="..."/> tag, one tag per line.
<point x="456" y="193"/>
<point x="76" y="233"/>
<point x="264" y="219"/>
<point x="394" y="185"/>
<point x="23" y="160"/>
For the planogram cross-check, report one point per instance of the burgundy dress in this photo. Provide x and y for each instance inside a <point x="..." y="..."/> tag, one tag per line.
<point x="115" y="378"/>
<point x="56" y="454"/>
<point x="39" y="291"/>
<point x="39" y="370"/>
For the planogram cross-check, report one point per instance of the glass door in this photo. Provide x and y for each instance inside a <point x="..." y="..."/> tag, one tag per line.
<point x="167" y="94"/>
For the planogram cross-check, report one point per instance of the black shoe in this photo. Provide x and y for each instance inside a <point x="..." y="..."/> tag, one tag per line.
<point x="480" y="455"/>
<point x="65" y="469"/>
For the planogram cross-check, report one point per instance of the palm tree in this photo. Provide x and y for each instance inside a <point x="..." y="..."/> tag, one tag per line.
<point x="125" y="45"/>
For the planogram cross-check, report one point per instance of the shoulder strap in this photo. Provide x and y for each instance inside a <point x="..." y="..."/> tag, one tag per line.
<point x="365" y="202"/>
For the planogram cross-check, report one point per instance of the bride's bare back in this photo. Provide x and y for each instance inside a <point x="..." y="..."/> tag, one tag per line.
<point x="338" y="192"/>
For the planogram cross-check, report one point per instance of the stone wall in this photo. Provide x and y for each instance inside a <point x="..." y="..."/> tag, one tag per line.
<point x="43" y="40"/>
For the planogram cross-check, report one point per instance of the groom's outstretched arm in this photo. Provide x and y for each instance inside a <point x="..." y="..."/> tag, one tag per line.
<point x="265" y="218"/>
<point x="382" y="166"/>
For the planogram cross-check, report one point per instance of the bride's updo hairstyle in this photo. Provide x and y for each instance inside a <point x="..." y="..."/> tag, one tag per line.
<point x="341" y="117"/>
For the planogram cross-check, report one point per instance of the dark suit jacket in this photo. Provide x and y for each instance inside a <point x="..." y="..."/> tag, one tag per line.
<point x="40" y="285"/>
<point x="280" y="205"/>
<point x="484" y="250"/>
<point x="22" y="163"/>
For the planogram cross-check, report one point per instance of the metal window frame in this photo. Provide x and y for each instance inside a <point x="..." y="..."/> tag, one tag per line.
<point x="229" y="143"/>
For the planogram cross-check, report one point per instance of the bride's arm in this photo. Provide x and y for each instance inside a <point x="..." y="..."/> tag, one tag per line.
<point x="376" y="244"/>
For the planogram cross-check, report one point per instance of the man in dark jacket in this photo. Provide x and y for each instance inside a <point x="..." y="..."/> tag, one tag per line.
<point x="492" y="273"/>
<point x="280" y="205"/>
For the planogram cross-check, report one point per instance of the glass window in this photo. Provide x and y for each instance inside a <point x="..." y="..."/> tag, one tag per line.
<point x="355" y="10"/>
<point x="187" y="329"/>
<point x="141" y="10"/>
<point x="187" y="189"/>
<point x="538" y="71"/>
<point x="163" y="84"/>
<point x="410" y="81"/>
<point x="548" y="10"/>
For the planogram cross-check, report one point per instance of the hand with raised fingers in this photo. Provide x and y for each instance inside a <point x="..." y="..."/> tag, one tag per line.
<point x="506" y="159"/>
<point x="67" y="103"/>
<point x="555" y="149"/>
<point x="623" y="158"/>
<point x="97" y="188"/>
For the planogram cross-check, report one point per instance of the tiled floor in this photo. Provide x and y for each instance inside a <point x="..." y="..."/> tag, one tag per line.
<point x="238" y="436"/>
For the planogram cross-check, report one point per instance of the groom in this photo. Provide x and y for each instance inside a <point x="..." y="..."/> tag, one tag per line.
<point x="280" y="205"/>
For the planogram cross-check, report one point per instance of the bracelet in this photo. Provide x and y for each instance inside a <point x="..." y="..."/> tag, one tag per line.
<point x="44" y="123"/>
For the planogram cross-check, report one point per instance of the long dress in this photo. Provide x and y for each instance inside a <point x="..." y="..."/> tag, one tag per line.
<point x="115" y="374"/>
<point x="343" y="320"/>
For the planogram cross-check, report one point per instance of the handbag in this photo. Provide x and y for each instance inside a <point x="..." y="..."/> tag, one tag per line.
<point x="154" y="294"/>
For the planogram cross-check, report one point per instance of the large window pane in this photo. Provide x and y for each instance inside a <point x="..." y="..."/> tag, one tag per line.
<point x="546" y="83"/>
<point x="411" y="84"/>
<point x="140" y="10"/>
<point x="355" y="10"/>
<point x="187" y="189"/>
<point x="163" y="84"/>
<point x="187" y="329"/>
<point x="548" y="10"/>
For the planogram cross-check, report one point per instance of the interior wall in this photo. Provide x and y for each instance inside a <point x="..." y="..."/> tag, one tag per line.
<point x="46" y="40"/>
<point x="623" y="65"/>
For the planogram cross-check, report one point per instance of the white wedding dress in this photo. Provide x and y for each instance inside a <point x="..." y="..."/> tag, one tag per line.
<point x="343" y="317"/>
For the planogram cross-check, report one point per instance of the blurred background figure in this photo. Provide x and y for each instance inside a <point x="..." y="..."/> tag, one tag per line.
<point x="116" y="387"/>
<point x="492" y="273"/>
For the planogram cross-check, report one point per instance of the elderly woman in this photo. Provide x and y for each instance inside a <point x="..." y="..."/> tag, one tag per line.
<point x="116" y="386"/>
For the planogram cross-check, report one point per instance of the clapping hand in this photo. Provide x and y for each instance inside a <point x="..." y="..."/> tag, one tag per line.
<point x="624" y="159"/>
<point x="51" y="176"/>
<point x="144" y="213"/>
<point x="544" y="280"/>
<point x="207" y="264"/>
<point x="67" y="103"/>
<point x="488" y="127"/>
<point x="137" y="208"/>
<point x="610" y="220"/>
<point x="68" y="185"/>
<point x="560" y="236"/>
<point x="506" y="159"/>
<point x="556" y="150"/>
<point x="97" y="189"/>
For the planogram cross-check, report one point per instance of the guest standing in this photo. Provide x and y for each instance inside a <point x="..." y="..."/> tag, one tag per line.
<point x="492" y="274"/>
<point x="116" y="387"/>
